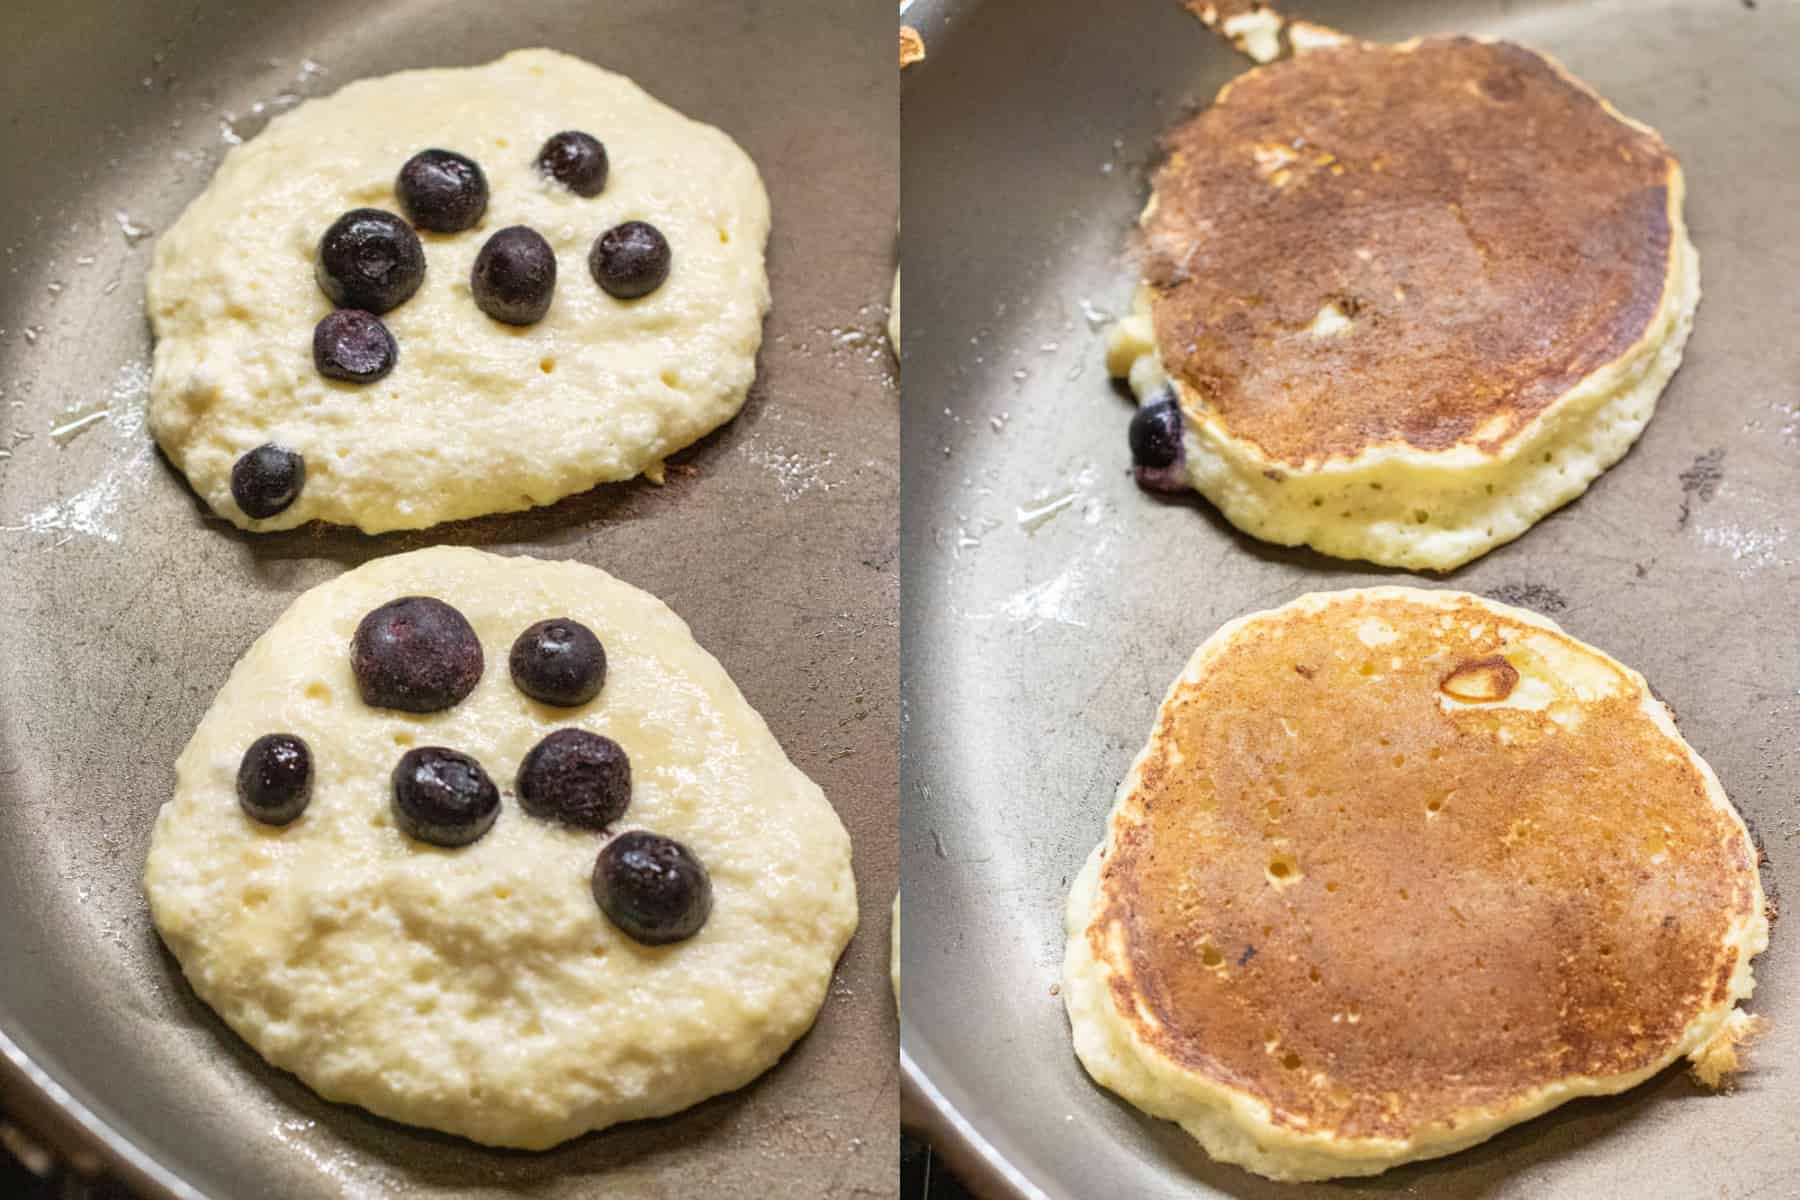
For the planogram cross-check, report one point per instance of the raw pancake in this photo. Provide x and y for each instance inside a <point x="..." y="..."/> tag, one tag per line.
<point x="477" y="416"/>
<point x="480" y="990"/>
<point x="1412" y="298"/>
<point x="1399" y="869"/>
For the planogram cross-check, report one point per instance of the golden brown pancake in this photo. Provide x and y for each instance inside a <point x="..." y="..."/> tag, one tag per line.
<point x="1398" y="869"/>
<point x="1491" y="269"/>
<point x="1410" y="298"/>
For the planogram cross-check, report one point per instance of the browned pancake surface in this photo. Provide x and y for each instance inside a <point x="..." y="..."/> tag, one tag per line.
<point x="1495" y="233"/>
<point x="1389" y="915"/>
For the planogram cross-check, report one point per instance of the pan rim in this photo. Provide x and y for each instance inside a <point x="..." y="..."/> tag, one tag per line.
<point x="80" y="1136"/>
<point x="977" y="1164"/>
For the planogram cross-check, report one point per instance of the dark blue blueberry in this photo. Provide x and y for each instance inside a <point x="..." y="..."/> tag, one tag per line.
<point x="559" y="662"/>
<point x="274" y="780"/>
<point x="652" y="888"/>
<point x="514" y="276"/>
<point x="630" y="260"/>
<point x="576" y="160"/>
<point x="443" y="797"/>
<point x="354" y="346"/>
<point x="415" y="654"/>
<point x="1158" y="456"/>
<point x="577" y="778"/>
<point x="370" y="259"/>
<point x="442" y="191"/>
<point x="267" y="480"/>
<point x="1156" y="432"/>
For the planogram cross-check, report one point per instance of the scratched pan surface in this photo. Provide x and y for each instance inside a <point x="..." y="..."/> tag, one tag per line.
<point x="124" y="606"/>
<point x="1035" y="660"/>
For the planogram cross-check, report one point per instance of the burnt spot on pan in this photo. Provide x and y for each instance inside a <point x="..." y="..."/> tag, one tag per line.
<point x="1701" y="481"/>
<point x="1538" y="597"/>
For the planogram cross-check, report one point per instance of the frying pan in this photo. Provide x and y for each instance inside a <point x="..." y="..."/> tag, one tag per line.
<point x="1047" y="603"/>
<point x="125" y="605"/>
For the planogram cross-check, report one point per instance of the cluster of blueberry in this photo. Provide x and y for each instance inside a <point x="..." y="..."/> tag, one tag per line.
<point x="418" y="654"/>
<point x="371" y="261"/>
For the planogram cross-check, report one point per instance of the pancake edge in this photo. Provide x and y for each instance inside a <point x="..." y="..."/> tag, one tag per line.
<point x="1236" y="1127"/>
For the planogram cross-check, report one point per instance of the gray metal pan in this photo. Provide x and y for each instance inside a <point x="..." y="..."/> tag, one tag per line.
<point x="1037" y="649"/>
<point x="124" y="605"/>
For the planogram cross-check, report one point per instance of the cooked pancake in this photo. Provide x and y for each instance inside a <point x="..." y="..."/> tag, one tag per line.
<point x="1399" y="869"/>
<point x="1411" y="298"/>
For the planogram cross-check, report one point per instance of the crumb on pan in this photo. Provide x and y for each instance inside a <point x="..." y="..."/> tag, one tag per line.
<point x="912" y="47"/>
<point x="1257" y="30"/>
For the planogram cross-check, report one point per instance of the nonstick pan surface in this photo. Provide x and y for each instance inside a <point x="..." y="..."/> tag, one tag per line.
<point x="124" y="604"/>
<point x="1048" y="603"/>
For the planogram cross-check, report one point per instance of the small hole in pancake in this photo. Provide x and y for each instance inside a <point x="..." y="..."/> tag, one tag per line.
<point x="1606" y="952"/>
<point x="1434" y="805"/>
<point x="669" y="378"/>
<point x="1291" y="1061"/>
<point x="1399" y="760"/>
<point x="254" y="897"/>
<point x="1210" y="956"/>
<point x="343" y="452"/>
<point x="1421" y="516"/>
<point x="1274" y="810"/>
<point x="503" y="893"/>
<point x="1331" y="885"/>
<point x="403" y="739"/>
<point x="546" y="365"/>
<point x="598" y="952"/>
<point x="316" y="690"/>
<point x="724" y="238"/>
<point x="1374" y="487"/>
<point x="1283" y="870"/>
<point x="1318" y="502"/>
<point x="1405" y="895"/>
<point x="1436" y="753"/>
<point x="1368" y="668"/>
<point x="1506" y="1027"/>
<point x="1549" y="458"/>
<point x="1313" y="974"/>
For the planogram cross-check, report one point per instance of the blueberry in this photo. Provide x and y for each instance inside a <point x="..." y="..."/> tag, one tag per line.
<point x="514" y="276"/>
<point x="577" y="778"/>
<point x="415" y="654"/>
<point x="559" y="662"/>
<point x="442" y="191"/>
<point x="576" y="160"/>
<point x="370" y="259"/>
<point x="1156" y="433"/>
<point x="354" y="346"/>
<point x="443" y="797"/>
<point x="274" y="780"/>
<point x="652" y="888"/>
<point x="630" y="260"/>
<point x="267" y="480"/>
